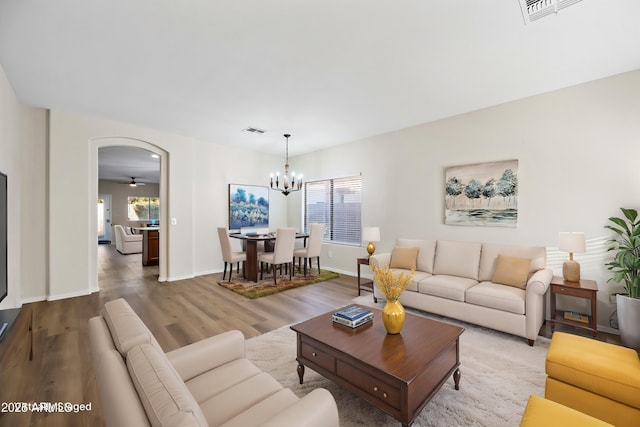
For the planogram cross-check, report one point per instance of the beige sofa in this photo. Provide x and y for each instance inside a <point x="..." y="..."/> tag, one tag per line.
<point x="497" y="286"/>
<point x="207" y="383"/>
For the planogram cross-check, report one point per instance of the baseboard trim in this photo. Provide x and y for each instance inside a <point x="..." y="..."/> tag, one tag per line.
<point x="176" y="278"/>
<point x="69" y="295"/>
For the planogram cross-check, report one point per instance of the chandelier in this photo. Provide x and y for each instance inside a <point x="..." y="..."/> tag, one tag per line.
<point x="290" y="183"/>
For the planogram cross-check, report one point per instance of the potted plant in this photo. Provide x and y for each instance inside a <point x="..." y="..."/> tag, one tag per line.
<point x="626" y="270"/>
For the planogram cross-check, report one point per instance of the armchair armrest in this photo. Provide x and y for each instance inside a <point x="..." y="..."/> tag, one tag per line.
<point x="380" y="260"/>
<point x="539" y="282"/>
<point x="132" y="237"/>
<point x="316" y="409"/>
<point x="202" y="356"/>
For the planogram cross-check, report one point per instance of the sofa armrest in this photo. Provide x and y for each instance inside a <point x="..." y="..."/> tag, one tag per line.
<point x="316" y="409"/>
<point x="202" y="356"/>
<point x="539" y="281"/>
<point x="380" y="260"/>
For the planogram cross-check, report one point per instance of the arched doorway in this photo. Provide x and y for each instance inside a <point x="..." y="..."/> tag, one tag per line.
<point x="96" y="145"/>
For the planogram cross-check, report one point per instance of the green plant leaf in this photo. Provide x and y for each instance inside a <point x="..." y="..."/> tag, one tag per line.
<point x="630" y="214"/>
<point x="625" y="266"/>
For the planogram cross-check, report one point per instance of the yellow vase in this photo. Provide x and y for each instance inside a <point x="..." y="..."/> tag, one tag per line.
<point x="393" y="315"/>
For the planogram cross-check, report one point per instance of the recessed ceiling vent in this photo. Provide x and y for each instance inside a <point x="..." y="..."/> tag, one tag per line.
<point x="533" y="10"/>
<point x="254" y="130"/>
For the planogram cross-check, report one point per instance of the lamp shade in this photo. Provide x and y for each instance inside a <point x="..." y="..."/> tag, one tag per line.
<point x="371" y="234"/>
<point x="572" y="242"/>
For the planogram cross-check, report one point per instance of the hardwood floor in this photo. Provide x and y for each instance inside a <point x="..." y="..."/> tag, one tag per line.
<point x="177" y="313"/>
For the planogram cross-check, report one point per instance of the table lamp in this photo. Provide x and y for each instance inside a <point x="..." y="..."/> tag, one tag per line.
<point x="371" y="234"/>
<point x="571" y="242"/>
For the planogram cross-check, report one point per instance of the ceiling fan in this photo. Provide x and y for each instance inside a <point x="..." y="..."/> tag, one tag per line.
<point x="133" y="182"/>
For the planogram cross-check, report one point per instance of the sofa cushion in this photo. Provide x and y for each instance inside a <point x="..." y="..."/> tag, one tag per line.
<point x="127" y="330"/>
<point x="490" y="252"/>
<point x="511" y="271"/>
<point x="264" y="410"/>
<point x="417" y="277"/>
<point x="119" y="399"/>
<point x="426" y="253"/>
<point x="500" y="297"/>
<point x="210" y="383"/>
<point x="457" y="259"/>
<point x="450" y="287"/>
<point x="164" y="395"/>
<point x="239" y="398"/>
<point x="404" y="257"/>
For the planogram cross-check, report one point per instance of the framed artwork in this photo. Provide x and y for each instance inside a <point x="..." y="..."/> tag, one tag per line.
<point x="248" y="206"/>
<point x="482" y="194"/>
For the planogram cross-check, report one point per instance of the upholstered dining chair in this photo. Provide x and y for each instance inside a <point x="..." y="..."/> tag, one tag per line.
<point x="282" y="252"/>
<point x="313" y="249"/>
<point x="229" y="256"/>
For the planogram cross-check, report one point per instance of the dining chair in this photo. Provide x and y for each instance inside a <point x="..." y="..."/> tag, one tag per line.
<point x="228" y="255"/>
<point x="313" y="249"/>
<point x="282" y="252"/>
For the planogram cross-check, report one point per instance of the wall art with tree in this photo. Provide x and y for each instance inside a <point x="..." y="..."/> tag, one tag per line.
<point x="484" y="194"/>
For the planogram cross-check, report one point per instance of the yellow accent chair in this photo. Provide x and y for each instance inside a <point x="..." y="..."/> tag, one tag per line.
<point x="546" y="413"/>
<point x="595" y="378"/>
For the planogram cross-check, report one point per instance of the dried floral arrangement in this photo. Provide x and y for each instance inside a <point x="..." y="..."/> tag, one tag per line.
<point x="391" y="284"/>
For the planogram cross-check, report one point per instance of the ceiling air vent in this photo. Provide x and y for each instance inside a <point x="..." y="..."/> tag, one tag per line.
<point x="254" y="130"/>
<point x="533" y="10"/>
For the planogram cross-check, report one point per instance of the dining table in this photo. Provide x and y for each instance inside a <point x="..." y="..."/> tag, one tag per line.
<point x="251" y="264"/>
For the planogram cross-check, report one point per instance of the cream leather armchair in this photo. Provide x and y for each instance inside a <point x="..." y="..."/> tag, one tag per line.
<point x="127" y="243"/>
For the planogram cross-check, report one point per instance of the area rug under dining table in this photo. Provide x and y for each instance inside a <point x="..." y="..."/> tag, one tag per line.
<point x="265" y="287"/>
<point x="499" y="373"/>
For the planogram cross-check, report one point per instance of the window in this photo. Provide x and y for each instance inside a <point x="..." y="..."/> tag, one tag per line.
<point x="143" y="208"/>
<point x="337" y="204"/>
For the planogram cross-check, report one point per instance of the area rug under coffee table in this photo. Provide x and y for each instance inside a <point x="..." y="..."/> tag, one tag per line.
<point x="500" y="371"/>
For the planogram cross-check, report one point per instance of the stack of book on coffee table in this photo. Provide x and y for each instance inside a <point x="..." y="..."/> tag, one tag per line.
<point x="353" y="316"/>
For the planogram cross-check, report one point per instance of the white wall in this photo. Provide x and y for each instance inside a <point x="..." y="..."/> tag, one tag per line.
<point x="120" y="203"/>
<point x="23" y="157"/>
<point x="578" y="151"/>
<point x="197" y="197"/>
<point x="216" y="166"/>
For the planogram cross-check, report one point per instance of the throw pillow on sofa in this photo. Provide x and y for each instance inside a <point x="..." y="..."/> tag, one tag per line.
<point x="402" y="257"/>
<point x="511" y="271"/>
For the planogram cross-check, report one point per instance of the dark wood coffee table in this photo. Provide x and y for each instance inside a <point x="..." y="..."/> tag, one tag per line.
<point x="397" y="373"/>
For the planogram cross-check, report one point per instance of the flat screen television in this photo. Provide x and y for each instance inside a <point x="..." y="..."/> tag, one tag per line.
<point x="4" y="279"/>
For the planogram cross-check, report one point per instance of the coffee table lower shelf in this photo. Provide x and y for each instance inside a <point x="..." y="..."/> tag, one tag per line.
<point x="401" y="391"/>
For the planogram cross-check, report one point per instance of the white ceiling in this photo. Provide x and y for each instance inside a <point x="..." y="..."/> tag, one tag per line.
<point x="327" y="72"/>
<point x="124" y="164"/>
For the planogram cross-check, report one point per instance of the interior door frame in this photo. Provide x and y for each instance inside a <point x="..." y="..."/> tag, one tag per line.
<point x="95" y="144"/>
<point x="107" y="218"/>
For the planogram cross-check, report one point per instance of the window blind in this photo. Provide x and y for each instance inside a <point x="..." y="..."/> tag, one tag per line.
<point x="337" y="204"/>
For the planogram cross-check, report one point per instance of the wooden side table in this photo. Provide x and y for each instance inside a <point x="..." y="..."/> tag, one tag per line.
<point x="586" y="289"/>
<point x="368" y="285"/>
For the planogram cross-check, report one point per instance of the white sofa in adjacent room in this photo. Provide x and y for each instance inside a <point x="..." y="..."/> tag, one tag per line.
<point x="127" y="243"/>
<point x="497" y="286"/>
